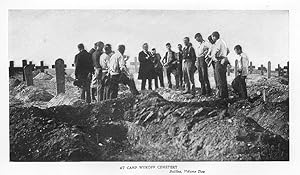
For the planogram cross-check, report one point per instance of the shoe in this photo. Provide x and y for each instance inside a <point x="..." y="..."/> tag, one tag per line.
<point x="170" y="86"/>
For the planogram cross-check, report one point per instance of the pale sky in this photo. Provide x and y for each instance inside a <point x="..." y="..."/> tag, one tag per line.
<point x="50" y="34"/>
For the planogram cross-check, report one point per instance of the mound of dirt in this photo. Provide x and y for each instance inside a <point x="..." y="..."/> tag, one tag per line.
<point x="203" y="131"/>
<point x="14" y="82"/>
<point x="65" y="133"/>
<point x="65" y="99"/>
<point x="68" y="79"/>
<point x="40" y="137"/>
<point x="43" y="76"/>
<point x="145" y="127"/>
<point x="33" y="94"/>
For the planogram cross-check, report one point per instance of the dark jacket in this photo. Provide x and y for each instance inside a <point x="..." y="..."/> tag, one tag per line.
<point x="146" y="69"/>
<point x="157" y="63"/>
<point x="172" y="64"/>
<point x="189" y="53"/>
<point x="83" y="64"/>
<point x="179" y="58"/>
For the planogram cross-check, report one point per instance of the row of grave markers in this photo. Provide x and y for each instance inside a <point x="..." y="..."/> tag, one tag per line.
<point x="29" y="68"/>
<point x="282" y="71"/>
<point x="59" y="66"/>
<point x="13" y="70"/>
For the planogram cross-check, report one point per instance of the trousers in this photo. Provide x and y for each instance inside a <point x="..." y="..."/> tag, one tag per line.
<point x="101" y="93"/>
<point x="143" y="85"/>
<point x="85" y="89"/>
<point x="159" y="76"/>
<point x="175" y="73"/>
<point x="203" y="75"/>
<point x="180" y="74"/>
<point x="221" y="78"/>
<point x="188" y="73"/>
<point x="113" y="85"/>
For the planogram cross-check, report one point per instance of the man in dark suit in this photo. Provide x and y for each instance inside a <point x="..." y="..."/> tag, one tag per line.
<point x="146" y="69"/>
<point x="170" y="64"/>
<point x="83" y="71"/>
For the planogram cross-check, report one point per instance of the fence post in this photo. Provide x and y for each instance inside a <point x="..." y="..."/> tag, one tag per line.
<point x="269" y="69"/>
<point x="279" y="70"/>
<point x="60" y="75"/>
<point x="28" y="75"/>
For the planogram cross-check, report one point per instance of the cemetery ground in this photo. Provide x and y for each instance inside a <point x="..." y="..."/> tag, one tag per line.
<point x="160" y="125"/>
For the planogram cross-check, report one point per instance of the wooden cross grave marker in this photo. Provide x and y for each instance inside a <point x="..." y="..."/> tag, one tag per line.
<point x="251" y="68"/>
<point x="42" y="67"/>
<point x="279" y="70"/>
<point x="33" y="65"/>
<point x="262" y="69"/>
<point x="135" y="64"/>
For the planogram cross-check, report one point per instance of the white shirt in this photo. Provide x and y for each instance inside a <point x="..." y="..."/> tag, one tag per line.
<point x="219" y="49"/>
<point x="202" y="49"/>
<point x="243" y="63"/>
<point x="116" y="63"/>
<point x="104" y="60"/>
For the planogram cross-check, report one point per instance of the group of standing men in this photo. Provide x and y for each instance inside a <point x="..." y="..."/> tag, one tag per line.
<point x="184" y="64"/>
<point x="101" y="70"/>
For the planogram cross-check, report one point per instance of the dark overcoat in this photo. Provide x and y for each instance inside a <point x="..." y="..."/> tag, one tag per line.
<point x="146" y="69"/>
<point x="83" y="64"/>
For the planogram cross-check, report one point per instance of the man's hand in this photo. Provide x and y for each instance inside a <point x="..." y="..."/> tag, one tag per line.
<point x="214" y="59"/>
<point x="229" y="66"/>
<point x="223" y="61"/>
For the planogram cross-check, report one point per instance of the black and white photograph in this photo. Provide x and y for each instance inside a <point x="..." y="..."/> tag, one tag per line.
<point x="152" y="87"/>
